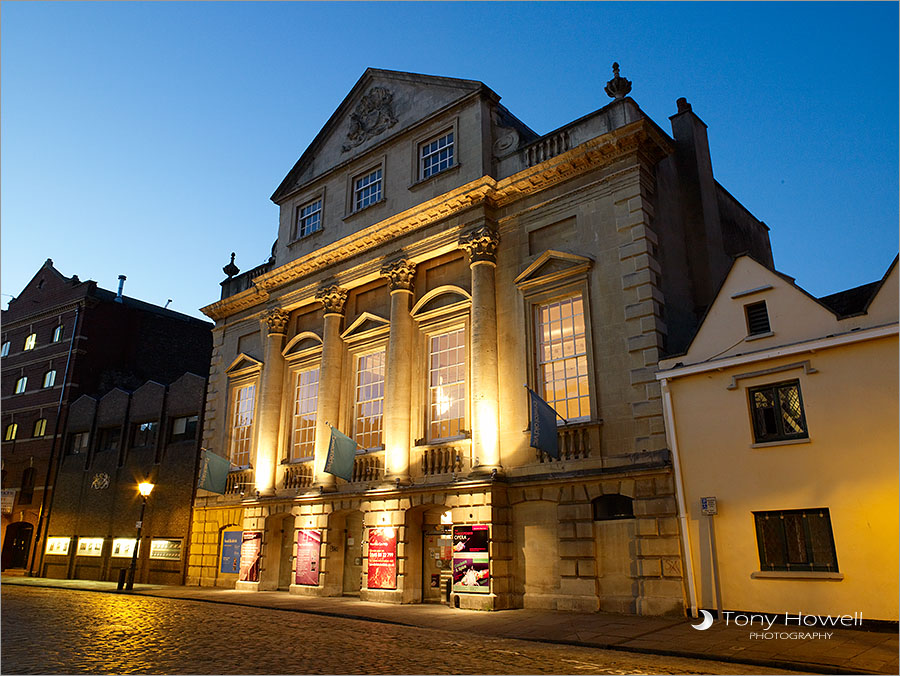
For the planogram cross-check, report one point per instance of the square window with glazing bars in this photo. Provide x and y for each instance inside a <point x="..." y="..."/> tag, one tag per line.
<point x="309" y="219"/>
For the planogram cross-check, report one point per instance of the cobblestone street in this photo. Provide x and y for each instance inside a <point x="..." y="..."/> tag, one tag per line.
<point x="51" y="631"/>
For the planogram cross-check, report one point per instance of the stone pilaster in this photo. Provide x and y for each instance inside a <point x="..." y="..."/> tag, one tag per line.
<point x="398" y="375"/>
<point x="333" y="299"/>
<point x="481" y="246"/>
<point x="269" y="406"/>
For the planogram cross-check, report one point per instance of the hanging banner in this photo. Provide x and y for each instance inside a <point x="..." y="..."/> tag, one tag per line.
<point x="382" y="558"/>
<point x="471" y="559"/>
<point x="308" y="547"/>
<point x="251" y="546"/>
<point x="231" y="551"/>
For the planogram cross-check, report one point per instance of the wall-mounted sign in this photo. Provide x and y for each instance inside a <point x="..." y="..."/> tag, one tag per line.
<point x="309" y="544"/>
<point x="708" y="506"/>
<point x="100" y="481"/>
<point x="123" y="547"/>
<point x="169" y="550"/>
<point x="251" y="546"/>
<point x="231" y="551"/>
<point x="471" y="559"/>
<point x="7" y="499"/>
<point x="57" y="545"/>
<point x="90" y="546"/>
<point x="382" y="558"/>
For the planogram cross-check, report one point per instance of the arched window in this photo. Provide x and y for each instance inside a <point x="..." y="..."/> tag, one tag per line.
<point x="57" y="333"/>
<point x="613" y="506"/>
<point x="10" y="434"/>
<point x="40" y="427"/>
<point x="49" y="378"/>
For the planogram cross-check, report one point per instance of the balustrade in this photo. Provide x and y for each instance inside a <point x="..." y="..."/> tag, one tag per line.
<point x="368" y="467"/>
<point x="239" y="481"/>
<point x="446" y="458"/>
<point x="298" y="475"/>
<point x="545" y="148"/>
<point x="576" y="442"/>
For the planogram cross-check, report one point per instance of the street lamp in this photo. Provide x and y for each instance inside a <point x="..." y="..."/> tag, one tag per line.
<point x="144" y="487"/>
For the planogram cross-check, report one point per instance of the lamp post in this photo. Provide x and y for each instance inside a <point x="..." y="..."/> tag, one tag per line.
<point x="144" y="488"/>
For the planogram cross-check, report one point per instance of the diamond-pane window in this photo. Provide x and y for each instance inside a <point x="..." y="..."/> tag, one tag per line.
<point x="777" y="412"/>
<point x="796" y="539"/>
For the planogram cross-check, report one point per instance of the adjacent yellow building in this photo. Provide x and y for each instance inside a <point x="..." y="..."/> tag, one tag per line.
<point x="782" y="419"/>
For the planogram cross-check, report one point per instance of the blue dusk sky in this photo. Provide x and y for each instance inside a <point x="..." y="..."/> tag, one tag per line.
<point x="146" y="138"/>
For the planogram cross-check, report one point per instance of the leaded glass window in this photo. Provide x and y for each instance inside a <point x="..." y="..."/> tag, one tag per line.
<point x="778" y="412"/>
<point x="796" y="539"/>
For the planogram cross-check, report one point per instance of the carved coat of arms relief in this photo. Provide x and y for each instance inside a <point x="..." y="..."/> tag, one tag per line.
<point x="373" y="115"/>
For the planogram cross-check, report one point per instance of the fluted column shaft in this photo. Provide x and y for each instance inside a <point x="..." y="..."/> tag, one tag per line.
<point x="481" y="245"/>
<point x="268" y="421"/>
<point x="398" y="374"/>
<point x="329" y="401"/>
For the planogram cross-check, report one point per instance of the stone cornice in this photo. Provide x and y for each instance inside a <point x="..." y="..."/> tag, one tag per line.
<point x="640" y="137"/>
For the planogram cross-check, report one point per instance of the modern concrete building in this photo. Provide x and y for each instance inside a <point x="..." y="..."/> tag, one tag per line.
<point x="64" y="338"/>
<point x="783" y="411"/>
<point x="434" y="255"/>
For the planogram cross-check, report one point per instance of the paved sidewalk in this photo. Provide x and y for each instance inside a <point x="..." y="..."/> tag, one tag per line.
<point x="845" y="652"/>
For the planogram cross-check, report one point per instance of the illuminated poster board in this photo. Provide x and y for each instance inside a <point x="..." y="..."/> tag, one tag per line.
<point x="90" y="546"/>
<point x="382" y="558"/>
<point x="123" y="547"/>
<point x="231" y="551"/>
<point x="169" y="550"/>
<point x="58" y="545"/>
<point x="251" y="546"/>
<point x="471" y="559"/>
<point x="308" y="547"/>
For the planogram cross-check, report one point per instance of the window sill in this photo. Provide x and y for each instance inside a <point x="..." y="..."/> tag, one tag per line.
<point x="757" y="336"/>
<point x="444" y="172"/>
<point x="782" y="442"/>
<point x="304" y="238"/>
<point x="365" y="208"/>
<point x="795" y="575"/>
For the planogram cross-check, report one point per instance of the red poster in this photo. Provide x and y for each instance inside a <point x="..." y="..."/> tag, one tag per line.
<point x="251" y="545"/>
<point x="308" y="547"/>
<point x="382" y="558"/>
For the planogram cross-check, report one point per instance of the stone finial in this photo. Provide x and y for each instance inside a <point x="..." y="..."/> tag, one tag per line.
<point x="332" y="298"/>
<point x="618" y="87"/>
<point x="400" y="275"/>
<point x="231" y="269"/>
<point x="481" y="244"/>
<point x="276" y="319"/>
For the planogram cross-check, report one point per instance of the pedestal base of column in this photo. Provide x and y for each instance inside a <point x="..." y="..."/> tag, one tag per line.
<point x="266" y="493"/>
<point x="486" y="472"/>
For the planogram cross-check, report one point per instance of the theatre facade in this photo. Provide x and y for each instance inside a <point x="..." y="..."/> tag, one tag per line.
<point x="435" y="258"/>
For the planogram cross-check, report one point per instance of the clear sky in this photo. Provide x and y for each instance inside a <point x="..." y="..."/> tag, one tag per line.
<point x="146" y="138"/>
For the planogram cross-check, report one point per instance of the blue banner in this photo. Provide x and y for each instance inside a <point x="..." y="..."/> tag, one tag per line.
<point x="213" y="472"/>
<point x="341" y="453"/>
<point x="543" y="425"/>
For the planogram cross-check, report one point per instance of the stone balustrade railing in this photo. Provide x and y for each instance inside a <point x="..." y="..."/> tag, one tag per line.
<point x="447" y="458"/>
<point x="577" y="441"/>
<point x="368" y="467"/>
<point x="545" y="148"/>
<point x="298" y="475"/>
<point x="239" y="481"/>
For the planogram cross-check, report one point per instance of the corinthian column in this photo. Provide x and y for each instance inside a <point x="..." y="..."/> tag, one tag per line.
<point x="269" y="418"/>
<point x="328" y="406"/>
<point x="397" y="378"/>
<point x="481" y="245"/>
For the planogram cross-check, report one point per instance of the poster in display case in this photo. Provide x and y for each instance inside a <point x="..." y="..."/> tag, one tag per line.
<point x="382" y="558"/>
<point x="168" y="550"/>
<point x="251" y="546"/>
<point x="471" y="559"/>
<point x="307" y="561"/>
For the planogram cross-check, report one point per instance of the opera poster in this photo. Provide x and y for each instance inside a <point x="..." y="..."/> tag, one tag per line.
<point x="471" y="559"/>
<point x="382" y="558"/>
<point x="251" y="546"/>
<point x="307" y="561"/>
<point x="231" y="551"/>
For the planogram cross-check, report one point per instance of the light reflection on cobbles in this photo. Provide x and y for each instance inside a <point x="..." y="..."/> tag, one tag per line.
<point x="52" y="631"/>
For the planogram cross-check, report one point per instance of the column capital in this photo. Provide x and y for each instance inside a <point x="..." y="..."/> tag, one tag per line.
<point x="400" y="275"/>
<point x="481" y="244"/>
<point x="276" y="320"/>
<point x="332" y="298"/>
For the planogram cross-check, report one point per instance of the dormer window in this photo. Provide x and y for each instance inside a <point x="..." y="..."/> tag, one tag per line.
<point x="757" y="319"/>
<point x="367" y="189"/>
<point x="436" y="155"/>
<point x="309" y="218"/>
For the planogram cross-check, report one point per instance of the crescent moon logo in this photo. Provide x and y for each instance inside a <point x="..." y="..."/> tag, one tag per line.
<point x="707" y="621"/>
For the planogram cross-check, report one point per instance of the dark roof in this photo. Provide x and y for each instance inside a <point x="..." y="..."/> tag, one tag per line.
<point x="852" y="301"/>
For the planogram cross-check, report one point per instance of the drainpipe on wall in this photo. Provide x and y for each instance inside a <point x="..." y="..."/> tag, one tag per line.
<point x="671" y="437"/>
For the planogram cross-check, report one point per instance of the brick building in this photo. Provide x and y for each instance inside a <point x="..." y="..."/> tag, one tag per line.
<point x="434" y="254"/>
<point x="64" y="338"/>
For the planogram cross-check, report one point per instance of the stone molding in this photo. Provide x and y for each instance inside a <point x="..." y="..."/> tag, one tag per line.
<point x="333" y="299"/>
<point x="399" y="274"/>
<point x="276" y="320"/>
<point x="480" y="244"/>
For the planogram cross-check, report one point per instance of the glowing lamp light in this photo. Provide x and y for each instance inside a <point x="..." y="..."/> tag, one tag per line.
<point x="145" y="487"/>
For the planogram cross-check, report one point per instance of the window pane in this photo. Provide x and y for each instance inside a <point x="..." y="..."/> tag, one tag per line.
<point x="306" y="397"/>
<point x="369" y="400"/>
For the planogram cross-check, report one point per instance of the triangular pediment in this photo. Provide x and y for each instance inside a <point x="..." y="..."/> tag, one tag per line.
<point x="243" y="364"/>
<point x="365" y="326"/>
<point x="551" y="266"/>
<point x="302" y="344"/>
<point x="382" y="104"/>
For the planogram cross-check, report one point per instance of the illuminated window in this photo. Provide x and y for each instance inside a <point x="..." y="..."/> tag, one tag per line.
<point x="778" y="412"/>
<point x="795" y="539"/>
<point x="436" y="155"/>
<point x="242" y="424"/>
<point x="184" y="428"/>
<point x="30" y="341"/>
<point x="562" y="357"/>
<point x="57" y="333"/>
<point x="367" y="190"/>
<point x="78" y="443"/>
<point x="49" y="378"/>
<point x="306" y="398"/>
<point x="40" y="427"/>
<point x="447" y="385"/>
<point x="10" y="434"/>
<point x="369" y="400"/>
<point x="5" y="350"/>
<point x="309" y="219"/>
<point x="20" y="384"/>
<point x="144" y="434"/>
